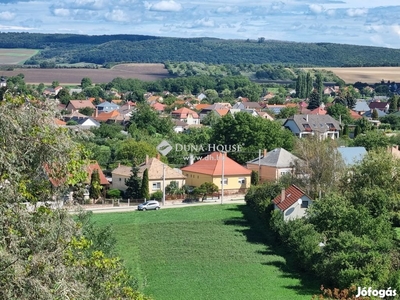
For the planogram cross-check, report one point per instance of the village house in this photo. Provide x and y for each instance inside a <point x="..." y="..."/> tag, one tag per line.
<point x="215" y="166"/>
<point x="155" y="168"/>
<point x="322" y="126"/>
<point x="186" y="115"/>
<point x="271" y="166"/>
<point x="76" y="105"/>
<point x="106" y="107"/>
<point x="293" y="203"/>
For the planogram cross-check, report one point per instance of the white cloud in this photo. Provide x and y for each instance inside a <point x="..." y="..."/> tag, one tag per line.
<point x="205" y="22"/>
<point x="316" y="8"/>
<point x="117" y="15"/>
<point x="7" y="16"/>
<point x="226" y="9"/>
<point x="357" y="12"/>
<point x="396" y="29"/>
<point x="169" y="5"/>
<point x="61" y="12"/>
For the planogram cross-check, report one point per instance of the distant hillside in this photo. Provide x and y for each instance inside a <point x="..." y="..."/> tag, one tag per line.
<point x="105" y="49"/>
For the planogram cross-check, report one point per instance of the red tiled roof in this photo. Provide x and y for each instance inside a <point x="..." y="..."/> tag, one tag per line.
<point x="292" y="194"/>
<point x="212" y="165"/>
<point x="95" y="166"/>
<point x="107" y="116"/>
<point x="318" y="111"/>
<point x="158" y="106"/>
<point x="201" y="106"/>
<point x="184" y="112"/>
<point x="59" y="122"/>
<point x="355" y="115"/>
<point x="222" y="112"/>
<point x="378" y="105"/>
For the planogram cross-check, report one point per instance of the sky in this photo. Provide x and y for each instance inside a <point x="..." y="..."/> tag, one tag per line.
<point x="358" y="22"/>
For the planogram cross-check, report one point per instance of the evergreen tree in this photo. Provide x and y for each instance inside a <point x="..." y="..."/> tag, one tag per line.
<point x="375" y="115"/>
<point x="254" y="177"/>
<point x="320" y="84"/>
<point x="133" y="183"/>
<point x="394" y="104"/>
<point x="350" y="100"/>
<point x="345" y="130"/>
<point x="357" y="131"/>
<point x="301" y="89"/>
<point x="340" y="99"/>
<point x="95" y="186"/>
<point x="315" y="101"/>
<point x="309" y="84"/>
<point x="145" y="194"/>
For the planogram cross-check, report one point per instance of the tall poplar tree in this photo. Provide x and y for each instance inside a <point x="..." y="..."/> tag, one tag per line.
<point x="309" y="84"/>
<point x="145" y="194"/>
<point x="320" y="84"/>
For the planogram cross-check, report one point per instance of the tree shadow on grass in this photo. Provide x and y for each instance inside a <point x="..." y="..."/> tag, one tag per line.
<point x="257" y="231"/>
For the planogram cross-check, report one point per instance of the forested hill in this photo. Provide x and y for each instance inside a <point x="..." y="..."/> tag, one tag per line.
<point x="67" y="48"/>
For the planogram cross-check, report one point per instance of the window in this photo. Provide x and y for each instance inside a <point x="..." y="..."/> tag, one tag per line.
<point x="156" y="186"/>
<point x="242" y="180"/>
<point x="285" y="172"/>
<point x="120" y="179"/>
<point x="125" y="179"/>
<point x="225" y="181"/>
<point x="304" y="204"/>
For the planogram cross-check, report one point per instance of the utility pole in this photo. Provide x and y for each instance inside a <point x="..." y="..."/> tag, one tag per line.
<point x="163" y="178"/>
<point x="259" y="165"/>
<point x="223" y="177"/>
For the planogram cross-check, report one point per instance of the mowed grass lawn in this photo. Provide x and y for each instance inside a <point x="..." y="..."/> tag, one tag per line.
<point x="203" y="252"/>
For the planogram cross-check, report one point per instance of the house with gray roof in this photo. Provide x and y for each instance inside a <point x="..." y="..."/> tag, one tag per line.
<point x="322" y="126"/>
<point x="368" y="114"/>
<point x="83" y="123"/>
<point x="361" y="107"/>
<point x="107" y="107"/>
<point x="352" y="155"/>
<point x="274" y="164"/>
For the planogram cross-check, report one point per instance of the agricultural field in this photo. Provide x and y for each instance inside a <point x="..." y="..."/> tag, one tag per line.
<point x="368" y="75"/>
<point x="73" y="76"/>
<point x="204" y="252"/>
<point x="15" y="56"/>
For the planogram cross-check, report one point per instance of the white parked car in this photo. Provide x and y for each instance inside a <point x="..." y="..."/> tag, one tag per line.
<point x="148" y="205"/>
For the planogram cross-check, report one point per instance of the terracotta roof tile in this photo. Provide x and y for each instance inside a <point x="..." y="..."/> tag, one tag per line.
<point x="292" y="194"/>
<point x="212" y="165"/>
<point x="184" y="112"/>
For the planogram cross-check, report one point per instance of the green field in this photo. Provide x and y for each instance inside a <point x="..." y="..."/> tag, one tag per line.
<point x="204" y="252"/>
<point x="15" y="56"/>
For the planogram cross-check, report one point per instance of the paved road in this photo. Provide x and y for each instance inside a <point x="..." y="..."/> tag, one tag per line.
<point x="125" y="208"/>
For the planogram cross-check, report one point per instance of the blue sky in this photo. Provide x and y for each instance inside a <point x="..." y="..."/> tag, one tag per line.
<point x="360" y="22"/>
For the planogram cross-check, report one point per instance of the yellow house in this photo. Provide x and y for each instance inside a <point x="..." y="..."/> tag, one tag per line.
<point x="212" y="167"/>
<point x="155" y="169"/>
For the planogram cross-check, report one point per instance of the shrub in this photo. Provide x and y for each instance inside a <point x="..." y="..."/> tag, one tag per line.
<point x="113" y="193"/>
<point x="157" y="195"/>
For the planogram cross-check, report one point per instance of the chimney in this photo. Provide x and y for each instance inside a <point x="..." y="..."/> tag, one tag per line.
<point x="265" y="153"/>
<point x="307" y="118"/>
<point x="96" y="112"/>
<point x="129" y="105"/>
<point x="147" y="159"/>
<point x="191" y="159"/>
<point x="283" y="195"/>
<point x="158" y="156"/>
<point x="119" y="164"/>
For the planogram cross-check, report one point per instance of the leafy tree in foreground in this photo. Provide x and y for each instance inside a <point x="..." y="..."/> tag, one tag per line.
<point x="45" y="253"/>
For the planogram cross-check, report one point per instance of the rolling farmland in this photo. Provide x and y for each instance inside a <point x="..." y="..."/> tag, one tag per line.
<point x="73" y="76"/>
<point x="15" y="56"/>
<point x="366" y="74"/>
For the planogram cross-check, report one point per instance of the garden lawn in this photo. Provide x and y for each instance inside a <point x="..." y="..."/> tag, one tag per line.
<point x="203" y="252"/>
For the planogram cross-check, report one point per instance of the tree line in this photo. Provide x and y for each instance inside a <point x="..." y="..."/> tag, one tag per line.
<point x="67" y="48"/>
